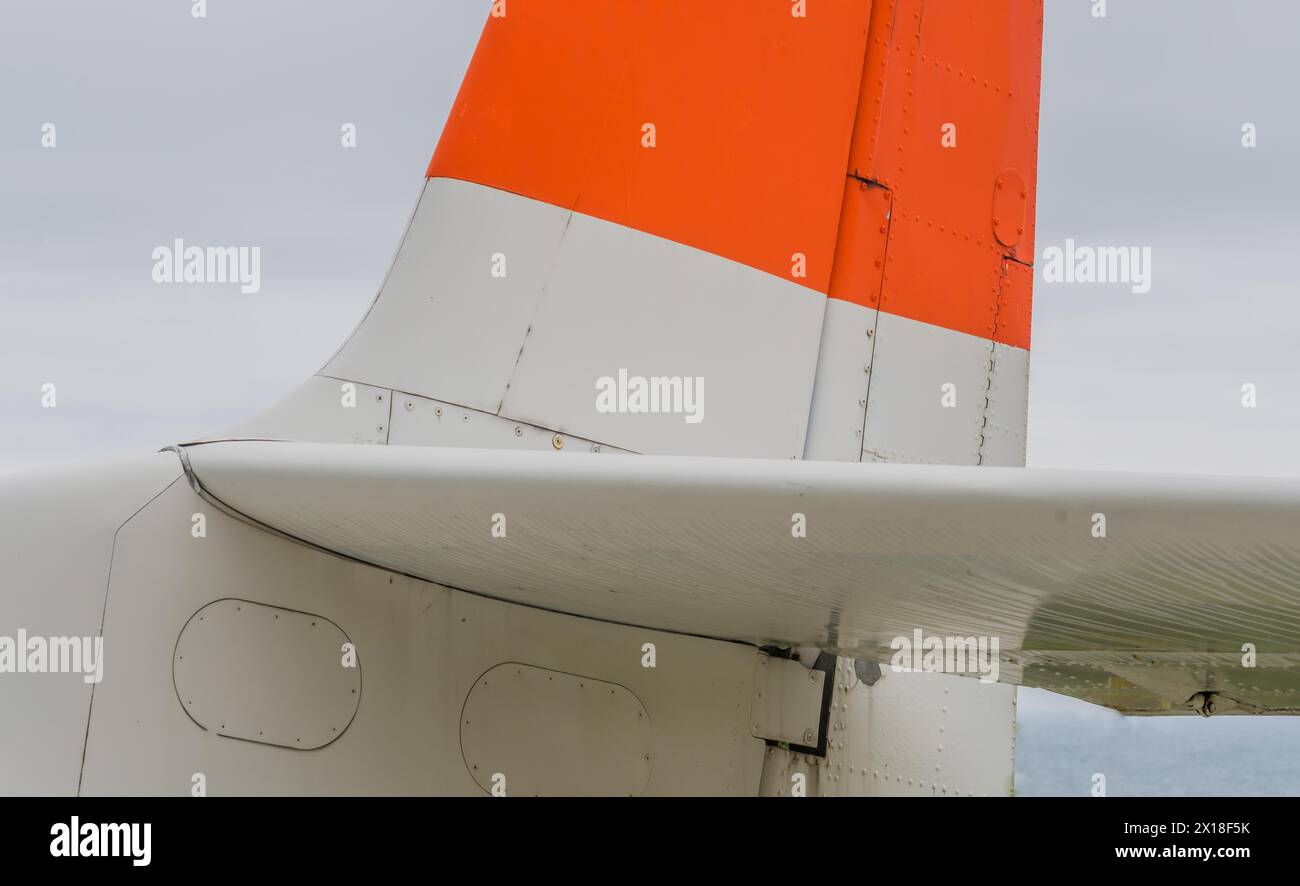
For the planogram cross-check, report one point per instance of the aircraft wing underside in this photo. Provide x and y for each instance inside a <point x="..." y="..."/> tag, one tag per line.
<point x="1146" y="593"/>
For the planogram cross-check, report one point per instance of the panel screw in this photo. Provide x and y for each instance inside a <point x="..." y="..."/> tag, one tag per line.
<point x="438" y="411"/>
<point x="519" y="432"/>
<point x="410" y="404"/>
<point x="557" y="441"/>
<point x="808" y="736"/>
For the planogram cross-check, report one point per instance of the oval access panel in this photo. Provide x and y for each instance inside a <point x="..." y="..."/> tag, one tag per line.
<point x="1010" y="205"/>
<point x="266" y="674"/>
<point x="535" y="732"/>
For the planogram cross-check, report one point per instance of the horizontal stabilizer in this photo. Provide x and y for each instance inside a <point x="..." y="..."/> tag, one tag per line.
<point x="1145" y="593"/>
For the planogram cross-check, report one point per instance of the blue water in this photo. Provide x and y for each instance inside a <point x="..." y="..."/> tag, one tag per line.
<point x="1061" y="743"/>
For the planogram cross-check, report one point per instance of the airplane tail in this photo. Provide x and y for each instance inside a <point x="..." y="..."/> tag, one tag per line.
<point x="783" y="229"/>
<point x="788" y="229"/>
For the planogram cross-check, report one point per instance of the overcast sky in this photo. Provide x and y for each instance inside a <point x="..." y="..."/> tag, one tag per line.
<point x="225" y="130"/>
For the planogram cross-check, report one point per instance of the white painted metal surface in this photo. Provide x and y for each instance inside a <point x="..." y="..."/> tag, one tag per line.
<point x="56" y="542"/>
<point x="534" y="732"/>
<point x="447" y="324"/>
<point x="419" y="421"/>
<point x="957" y="741"/>
<point x="321" y="410"/>
<point x="908" y="422"/>
<point x="421" y="646"/>
<point x="580" y="299"/>
<point x="267" y="674"/>
<point x="705" y="545"/>
<point x="908" y="416"/>
<point x="1007" y="414"/>
<point x="916" y="735"/>
<point x="623" y="299"/>
<point x="787" y="701"/>
<point x="839" y="401"/>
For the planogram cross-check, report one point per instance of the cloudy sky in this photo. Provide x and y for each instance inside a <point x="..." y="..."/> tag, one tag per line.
<point x="225" y="130"/>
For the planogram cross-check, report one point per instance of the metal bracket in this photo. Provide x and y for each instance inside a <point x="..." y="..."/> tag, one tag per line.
<point x="787" y="702"/>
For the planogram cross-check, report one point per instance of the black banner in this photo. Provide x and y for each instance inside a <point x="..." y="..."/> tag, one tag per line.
<point x="339" y="835"/>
